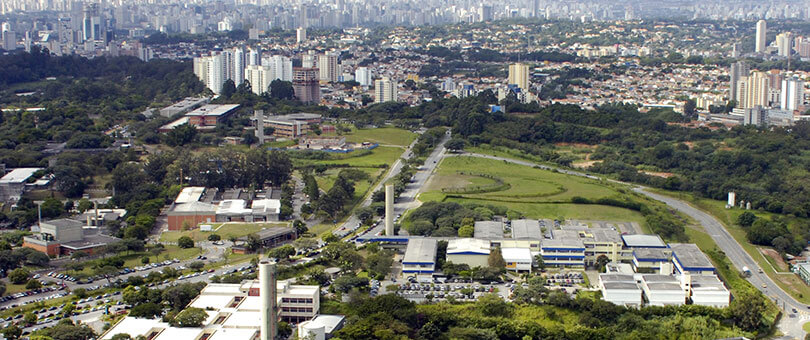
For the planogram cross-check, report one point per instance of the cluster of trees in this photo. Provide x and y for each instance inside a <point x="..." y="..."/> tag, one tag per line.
<point x="156" y="302"/>
<point x="774" y="233"/>
<point x="340" y="196"/>
<point x="390" y="316"/>
<point x="449" y="218"/>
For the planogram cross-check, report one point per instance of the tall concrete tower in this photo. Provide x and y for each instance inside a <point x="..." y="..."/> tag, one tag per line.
<point x="267" y="294"/>
<point x="762" y="30"/>
<point x="389" y="210"/>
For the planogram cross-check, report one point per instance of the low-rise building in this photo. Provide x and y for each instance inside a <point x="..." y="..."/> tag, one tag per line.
<point x="208" y="116"/>
<point x="183" y="106"/>
<point x="517" y="259"/>
<point x="621" y="289"/>
<point x="63" y="237"/>
<point x="650" y="260"/>
<point x="420" y="258"/>
<point x="601" y="242"/>
<point x="321" y="327"/>
<point x="488" y="230"/>
<point x="706" y="290"/>
<point x="470" y="251"/>
<point x="195" y="205"/>
<point x="643" y="241"/>
<point x="687" y="257"/>
<point x="803" y="271"/>
<point x="526" y="230"/>
<point x="292" y="125"/>
<point x="269" y="237"/>
<point x="565" y="249"/>
<point x="15" y="183"/>
<point x="663" y="290"/>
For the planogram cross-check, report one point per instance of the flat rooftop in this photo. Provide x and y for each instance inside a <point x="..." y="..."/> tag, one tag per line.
<point x="488" y="230"/>
<point x="707" y="283"/>
<point x="266" y="205"/>
<point x="213" y="110"/>
<point x="604" y="235"/>
<point x="271" y="232"/>
<point x="233" y="207"/>
<point x="328" y="322"/>
<point x="621" y="285"/>
<point x="643" y="241"/>
<point x="468" y="246"/>
<point x="526" y="229"/>
<point x="690" y="257"/>
<point x="516" y="254"/>
<point x="651" y="254"/>
<point x="190" y="194"/>
<point x="18" y="175"/>
<point x="195" y="207"/>
<point x="421" y="250"/>
<point x="616" y="278"/>
<point x="661" y="286"/>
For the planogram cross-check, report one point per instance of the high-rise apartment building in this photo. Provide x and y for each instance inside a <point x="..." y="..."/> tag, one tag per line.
<point x="93" y="27"/>
<point x="239" y="63"/>
<point x="519" y="75"/>
<point x="784" y="44"/>
<point x="300" y="35"/>
<point x="255" y="56"/>
<point x="9" y="40"/>
<point x="385" y="90"/>
<point x="752" y="91"/>
<point x="760" y="37"/>
<point x="328" y="67"/>
<point x="259" y="77"/>
<point x="738" y="71"/>
<point x="792" y="94"/>
<point x="305" y="84"/>
<point x="214" y="70"/>
<point x="363" y="76"/>
<point x="282" y="67"/>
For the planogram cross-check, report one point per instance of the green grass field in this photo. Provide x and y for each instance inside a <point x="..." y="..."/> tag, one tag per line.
<point x="789" y="282"/>
<point x="383" y="155"/>
<point x="383" y="136"/>
<point x="224" y="230"/>
<point x="535" y="193"/>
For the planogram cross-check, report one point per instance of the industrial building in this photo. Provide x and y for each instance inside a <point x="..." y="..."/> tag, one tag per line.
<point x="269" y="237"/>
<point x="643" y="241"/>
<point x="196" y="205"/>
<point x="517" y="259"/>
<point x="63" y="237"/>
<point x="15" y="183"/>
<point x="620" y="289"/>
<point x="292" y="125"/>
<point x="650" y="260"/>
<point x="246" y="311"/>
<point x="706" y="290"/>
<point x="205" y="117"/>
<point x="470" y="251"/>
<point x="663" y="290"/>
<point x="183" y="106"/>
<point x="420" y="259"/>
<point x="687" y="257"/>
<point x="564" y="249"/>
<point x="526" y="229"/>
<point x="488" y="230"/>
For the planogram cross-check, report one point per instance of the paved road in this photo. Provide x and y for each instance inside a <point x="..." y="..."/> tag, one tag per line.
<point x="790" y="326"/>
<point x="407" y="199"/>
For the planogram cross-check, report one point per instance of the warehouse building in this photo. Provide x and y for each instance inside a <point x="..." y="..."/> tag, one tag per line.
<point x="526" y="230"/>
<point x="15" y="183"/>
<point x="620" y="289"/>
<point x="420" y="259"/>
<point x="517" y="259"/>
<point x="663" y="290"/>
<point x="687" y="257"/>
<point x="565" y="249"/>
<point x="196" y="205"/>
<point x="651" y="260"/>
<point x="706" y="290"/>
<point x="488" y="230"/>
<point x="470" y="251"/>
<point x="63" y="237"/>
<point x="643" y="241"/>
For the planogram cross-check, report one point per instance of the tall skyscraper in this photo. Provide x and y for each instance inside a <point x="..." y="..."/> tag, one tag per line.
<point x="760" y="37"/>
<point x="9" y="40"/>
<point x="93" y="27"/>
<point x="753" y="90"/>
<point x="214" y="70"/>
<point x="363" y="76"/>
<point x="309" y="60"/>
<point x="519" y="75"/>
<point x="385" y="90"/>
<point x="792" y="94"/>
<point x="784" y="44"/>
<point x="328" y="66"/>
<point x="738" y="71"/>
<point x="305" y="85"/>
<point x="485" y="13"/>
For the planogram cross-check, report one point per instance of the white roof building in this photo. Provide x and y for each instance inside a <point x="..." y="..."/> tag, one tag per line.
<point x="470" y="251"/>
<point x="663" y="290"/>
<point x="706" y="290"/>
<point x="517" y="259"/>
<point x="621" y="289"/>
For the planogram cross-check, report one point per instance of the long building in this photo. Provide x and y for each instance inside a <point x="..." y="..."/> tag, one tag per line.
<point x="420" y="259"/>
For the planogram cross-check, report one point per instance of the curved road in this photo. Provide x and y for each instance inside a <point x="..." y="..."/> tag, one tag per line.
<point x="790" y="326"/>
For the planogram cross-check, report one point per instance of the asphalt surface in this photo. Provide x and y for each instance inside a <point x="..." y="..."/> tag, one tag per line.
<point x="790" y="326"/>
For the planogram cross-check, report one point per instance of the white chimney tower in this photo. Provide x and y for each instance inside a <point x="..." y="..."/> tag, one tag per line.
<point x="389" y="210"/>
<point x="267" y="294"/>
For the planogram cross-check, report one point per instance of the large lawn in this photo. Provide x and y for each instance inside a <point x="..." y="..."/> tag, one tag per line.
<point x="535" y="193"/>
<point x="383" y="136"/>
<point x="383" y="155"/>
<point x="224" y="230"/>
